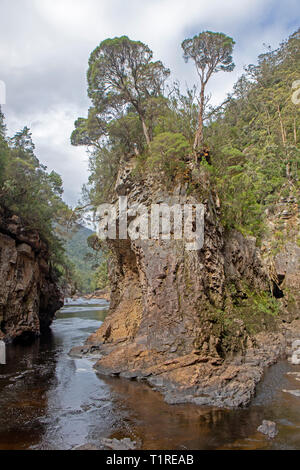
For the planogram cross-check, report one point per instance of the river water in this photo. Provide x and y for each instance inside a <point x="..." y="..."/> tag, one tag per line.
<point x="49" y="400"/>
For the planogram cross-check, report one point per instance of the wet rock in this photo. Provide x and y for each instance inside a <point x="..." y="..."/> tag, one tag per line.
<point x="295" y="393"/>
<point x="115" y="444"/>
<point x="295" y="351"/>
<point x="86" y="350"/>
<point x="87" y="447"/>
<point x="78" y="351"/>
<point x="268" y="428"/>
<point x="297" y="374"/>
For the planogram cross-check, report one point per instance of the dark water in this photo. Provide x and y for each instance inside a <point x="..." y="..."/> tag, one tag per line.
<point x="51" y="401"/>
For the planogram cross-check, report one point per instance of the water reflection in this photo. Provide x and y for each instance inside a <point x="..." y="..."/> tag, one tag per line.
<point x="49" y="400"/>
<point x="24" y="383"/>
<point x="158" y="425"/>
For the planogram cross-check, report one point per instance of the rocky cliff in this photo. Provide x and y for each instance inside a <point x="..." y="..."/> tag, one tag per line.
<point x="29" y="296"/>
<point x="199" y="326"/>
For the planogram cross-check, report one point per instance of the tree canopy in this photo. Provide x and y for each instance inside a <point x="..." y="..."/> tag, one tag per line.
<point x="121" y="73"/>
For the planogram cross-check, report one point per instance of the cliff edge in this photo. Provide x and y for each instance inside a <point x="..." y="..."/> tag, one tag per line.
<point x="29" y="295"/>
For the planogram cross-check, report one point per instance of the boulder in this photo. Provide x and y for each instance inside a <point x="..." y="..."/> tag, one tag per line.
<point x="296" y="345"/>
<point x="268" y="428"/>
<point x="115" y="444"/>
<point x="295" y="359"/>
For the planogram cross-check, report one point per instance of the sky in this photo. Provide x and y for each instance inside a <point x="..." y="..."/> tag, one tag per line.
<point x="45" y="47"/>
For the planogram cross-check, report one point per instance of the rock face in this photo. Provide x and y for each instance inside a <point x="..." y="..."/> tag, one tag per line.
<point x="268" y="428"/>
<point x="172" y="319"/>
<point x="29" y="296"/>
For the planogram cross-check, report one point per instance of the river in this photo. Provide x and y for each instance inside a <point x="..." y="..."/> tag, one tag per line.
<point x="49" y="400"/>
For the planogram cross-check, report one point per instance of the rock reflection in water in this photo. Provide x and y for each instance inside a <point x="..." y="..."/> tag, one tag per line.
<point x="49" y="400"/>
<point x="161" y="426"/>
<point x="24" y="383"/>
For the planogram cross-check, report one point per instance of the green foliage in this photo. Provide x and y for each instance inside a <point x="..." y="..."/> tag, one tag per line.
<point x="122" y="73"/>
<point x="181" y="114"/>
<point x="103" y="166"/>
<point x="254" y="139"/>
<point x="29" y="191"/>
<point x="101" y="276"/>
<point x="89" y="131"/>
<point x="126" y="88"/>
<point x="167" y="152"/>
<point x="258" y="310"/>
<point x="84" y="260"/>
<point x="127" y="133"/>
<point x="211" y="53"/>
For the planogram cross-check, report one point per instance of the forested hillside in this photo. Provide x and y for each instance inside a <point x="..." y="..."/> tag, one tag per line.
<point x="255" y="141"/>
<point x="84" y="260"/>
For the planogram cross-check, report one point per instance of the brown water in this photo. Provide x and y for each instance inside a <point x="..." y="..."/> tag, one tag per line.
<point x="49" y="400"/>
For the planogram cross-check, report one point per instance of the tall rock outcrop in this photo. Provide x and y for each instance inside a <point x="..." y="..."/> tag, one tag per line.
<point x="29" y="295"/>
<point x="191" y="323"/>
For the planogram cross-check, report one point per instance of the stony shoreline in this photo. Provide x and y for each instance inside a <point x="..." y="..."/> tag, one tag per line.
<point x="101" y="294"/>
<point x="205" y="380"/>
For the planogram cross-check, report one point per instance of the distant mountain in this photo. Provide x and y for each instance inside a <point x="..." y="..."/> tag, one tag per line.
<point x="83" y="258"/>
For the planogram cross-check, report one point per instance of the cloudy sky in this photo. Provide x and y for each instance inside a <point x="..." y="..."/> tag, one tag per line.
<point x="45" y="46"/>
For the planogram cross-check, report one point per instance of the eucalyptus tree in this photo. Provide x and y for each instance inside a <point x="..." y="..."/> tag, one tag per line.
<point x="122" y="74"/>
<point x="211" y="53"/>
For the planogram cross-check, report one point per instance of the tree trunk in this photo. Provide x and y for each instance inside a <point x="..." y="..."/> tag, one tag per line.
<point x="198" y="143"/>
<point x="283" y="133"/>
<point x="145" y="130"/>
<point x="288" y="172"/>
<point x="142" y="118"/>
